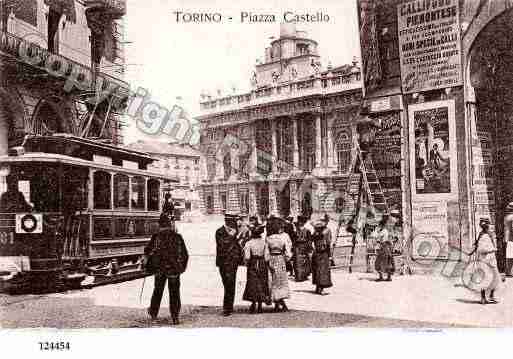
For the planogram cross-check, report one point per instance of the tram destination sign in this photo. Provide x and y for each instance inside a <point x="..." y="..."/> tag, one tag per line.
<point x="429" y="44"/>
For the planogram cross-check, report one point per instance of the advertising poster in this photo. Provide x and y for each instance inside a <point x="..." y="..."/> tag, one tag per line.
<point x="433" y="149"/>
<point x="430" y="225"/>
<point x="429" y="44"/>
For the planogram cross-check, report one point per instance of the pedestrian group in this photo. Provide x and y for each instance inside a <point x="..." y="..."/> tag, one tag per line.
<point x="274" y="249"/>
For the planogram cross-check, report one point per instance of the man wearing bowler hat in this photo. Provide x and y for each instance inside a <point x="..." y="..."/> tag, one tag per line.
<point x="228" y="258"/>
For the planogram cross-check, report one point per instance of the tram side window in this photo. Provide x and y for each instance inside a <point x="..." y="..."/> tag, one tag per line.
<point x="101" y="190"/>
<point x="153" y="195"/>
<point x="121" y="191"/>
<point x="138" y="193"/>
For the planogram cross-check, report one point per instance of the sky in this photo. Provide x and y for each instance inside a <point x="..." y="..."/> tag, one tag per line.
<point x="171" y="58"/>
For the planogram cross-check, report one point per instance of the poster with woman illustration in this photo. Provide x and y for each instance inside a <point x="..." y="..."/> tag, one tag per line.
<point x="433" y="149"/>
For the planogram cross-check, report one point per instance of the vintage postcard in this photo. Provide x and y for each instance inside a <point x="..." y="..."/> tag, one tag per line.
<point x="172" y="164"/>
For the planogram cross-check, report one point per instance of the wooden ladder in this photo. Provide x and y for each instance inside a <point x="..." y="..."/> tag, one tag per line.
<point x="362" y="176"/>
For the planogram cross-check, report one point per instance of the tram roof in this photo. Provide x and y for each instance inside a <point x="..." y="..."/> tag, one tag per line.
<point x="44" y="157"/>
<point x="63" y="143"/>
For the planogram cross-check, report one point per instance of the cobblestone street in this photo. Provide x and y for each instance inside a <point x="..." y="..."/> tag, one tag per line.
<point x="354" y="301"/>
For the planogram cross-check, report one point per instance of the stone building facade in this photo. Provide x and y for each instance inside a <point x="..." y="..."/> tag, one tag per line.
<point x="62" y="68"/>
<point x="285" y="146"/>
<point x="441" y="72"/>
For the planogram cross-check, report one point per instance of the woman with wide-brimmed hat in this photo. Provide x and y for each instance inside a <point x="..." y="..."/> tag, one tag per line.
<point x="302" y="250"/>
<point x="321" y="272"/>
<point x="280" y="252"/>
<point x="256" y="258"/>
<point x="384" y="259"/>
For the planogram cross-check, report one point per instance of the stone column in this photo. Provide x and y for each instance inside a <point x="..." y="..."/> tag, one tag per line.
<point x="219" y="165"/>
<point x="295" y="201"/>
<point x="295" y="145"/>
<point x="331" y="143"/>
<point x="318" y="141"/>
<point x="252" y="198"/>
<point x="273" y="205"/>
<point x="274" y="146"/>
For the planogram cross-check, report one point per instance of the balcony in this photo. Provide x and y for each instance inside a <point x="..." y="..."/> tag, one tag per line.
<point x="314" y="86"/>
<point x="116" y="8"/>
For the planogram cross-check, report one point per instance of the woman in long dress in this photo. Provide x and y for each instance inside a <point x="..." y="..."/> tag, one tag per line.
<point x="256" y="258"/>
<point x="302" y="250"/>
<point x="484" y="253"/>
<point x="280" y="252"/>
<point x="321" y="273"/>
<point x="384" y="259"/>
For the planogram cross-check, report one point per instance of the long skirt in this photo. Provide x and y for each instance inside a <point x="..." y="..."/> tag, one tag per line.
<point x="302" y="266"/>
<point x="321" y="273"/>
<point x="279" y="278"/>
<point x="482" y="273"/>
<point x="384" y="259"/>
<point x="257" y="283"/>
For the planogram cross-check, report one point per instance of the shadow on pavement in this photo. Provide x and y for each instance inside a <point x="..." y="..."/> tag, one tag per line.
<point x="77" y="313"/>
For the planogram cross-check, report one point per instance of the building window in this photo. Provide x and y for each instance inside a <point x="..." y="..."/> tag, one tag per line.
<point x="210" y="204"/>
<point x="101" y="190"/>
<point x="223" y="201"/>
<point x="153" y="194"/>
<point x="121" y="191"/>
<point x="244" y="202"/>
<point x="227" y="164"/>
<point x="138" y="193"/>
<point x="196" y="161"/>
<point x="343" y="148"/>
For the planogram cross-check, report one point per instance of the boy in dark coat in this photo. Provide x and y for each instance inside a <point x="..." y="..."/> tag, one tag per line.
<point x="170" y="258"/>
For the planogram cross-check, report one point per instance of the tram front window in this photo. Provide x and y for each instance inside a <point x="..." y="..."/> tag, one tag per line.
<point x="31" y="190"/>
<point x="138" y="192"/>
<point x="101" y="190"/>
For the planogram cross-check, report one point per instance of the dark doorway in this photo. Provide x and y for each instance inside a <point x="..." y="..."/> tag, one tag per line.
<point x="306" y="205"/>
<point x="263" y="199"/>
<point x="284" y="198"/>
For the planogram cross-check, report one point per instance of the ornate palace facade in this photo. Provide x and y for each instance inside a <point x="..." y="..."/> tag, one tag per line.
<point x="286" y="145"/>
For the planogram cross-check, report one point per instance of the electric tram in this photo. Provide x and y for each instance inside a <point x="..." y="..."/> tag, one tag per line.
<point x="75" y="210"/>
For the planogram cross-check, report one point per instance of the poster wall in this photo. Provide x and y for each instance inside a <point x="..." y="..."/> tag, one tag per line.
<point x="433" y="150"/>
<point x="434" y="177"/>
<point x="430" y="225"/>
<point x="429" y="44"/>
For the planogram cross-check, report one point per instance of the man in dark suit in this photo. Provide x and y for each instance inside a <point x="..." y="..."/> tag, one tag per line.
<point x="228" y="258"/>
<point x="170" y="258"/>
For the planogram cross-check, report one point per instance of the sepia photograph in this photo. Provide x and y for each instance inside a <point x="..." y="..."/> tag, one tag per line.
<point x="178" y="165"/>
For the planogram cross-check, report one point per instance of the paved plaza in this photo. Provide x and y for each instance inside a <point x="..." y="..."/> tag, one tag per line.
<point x="356" y="300"/>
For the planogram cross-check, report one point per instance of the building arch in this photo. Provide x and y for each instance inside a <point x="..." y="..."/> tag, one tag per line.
<point x="343" y="146"/>
<point x="53" y="115"/>
<point x="488" y="78"/>
<point x="13" y="122"/>
<point x="480" y="17"/>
